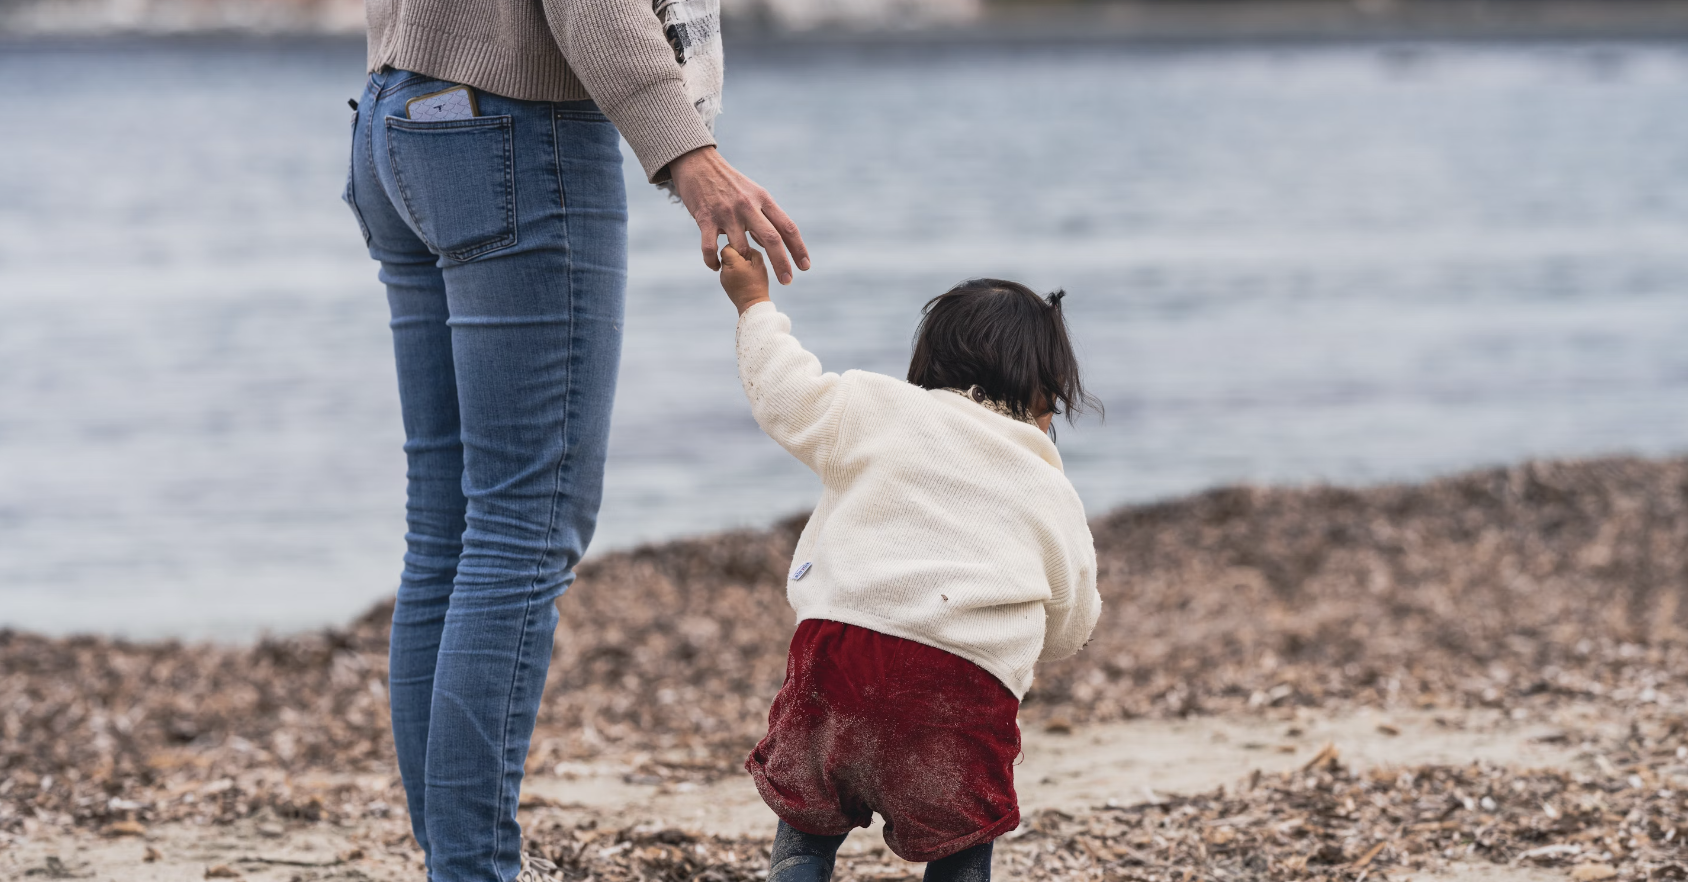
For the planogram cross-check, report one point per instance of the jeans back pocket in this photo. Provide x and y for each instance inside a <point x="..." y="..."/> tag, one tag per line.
<point x="457" y="179"/>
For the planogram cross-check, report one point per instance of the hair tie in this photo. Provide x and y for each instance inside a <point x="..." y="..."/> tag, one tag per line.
<point x="1055" y="299"/>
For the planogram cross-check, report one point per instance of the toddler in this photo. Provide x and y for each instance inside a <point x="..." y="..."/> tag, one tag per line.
<point x="947" y="556"/>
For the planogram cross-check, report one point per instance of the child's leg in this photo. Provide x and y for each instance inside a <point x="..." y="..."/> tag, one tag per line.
<point x="969" y="865"/>
<point x="805" y="857"/>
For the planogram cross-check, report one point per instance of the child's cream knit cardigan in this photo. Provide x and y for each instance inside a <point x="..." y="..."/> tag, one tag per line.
<point x="942" y="521"/>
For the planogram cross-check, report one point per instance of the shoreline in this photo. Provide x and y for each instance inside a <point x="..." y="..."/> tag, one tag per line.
<point x="793" y="522"/>
<point x="790" y="524"/>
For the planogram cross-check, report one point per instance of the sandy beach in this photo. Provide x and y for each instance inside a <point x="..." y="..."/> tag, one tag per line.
<point x="1481" y="676"/>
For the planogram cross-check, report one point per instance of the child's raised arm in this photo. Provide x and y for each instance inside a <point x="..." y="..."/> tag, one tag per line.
<point x="794" y="401"/>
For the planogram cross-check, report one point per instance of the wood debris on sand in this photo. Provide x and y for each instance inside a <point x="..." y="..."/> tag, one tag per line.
<point x="1515" y="589"/>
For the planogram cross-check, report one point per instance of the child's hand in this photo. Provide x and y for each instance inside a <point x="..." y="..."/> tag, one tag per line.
<point x="746" y="281"/>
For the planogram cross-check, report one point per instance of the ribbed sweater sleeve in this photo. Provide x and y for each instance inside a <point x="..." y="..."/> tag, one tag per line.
<point x="793" y="400"/>
<point x="617" y="49"/>
<point x="1074" y="606"/>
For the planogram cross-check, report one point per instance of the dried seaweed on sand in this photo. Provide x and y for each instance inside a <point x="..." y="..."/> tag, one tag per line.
<point x="1514" y="589"/>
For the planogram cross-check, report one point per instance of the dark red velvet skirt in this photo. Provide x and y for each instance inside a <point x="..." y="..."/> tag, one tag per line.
<point x="867" y="722"/>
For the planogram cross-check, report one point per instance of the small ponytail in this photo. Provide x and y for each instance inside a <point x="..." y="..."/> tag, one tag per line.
<point x="1055" y="298"/>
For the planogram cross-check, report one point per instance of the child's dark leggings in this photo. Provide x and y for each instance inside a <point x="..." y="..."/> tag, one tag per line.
<point x="805" y="857"/>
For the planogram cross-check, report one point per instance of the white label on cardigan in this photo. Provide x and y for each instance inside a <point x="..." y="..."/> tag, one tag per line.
<point x="801" y="571"/>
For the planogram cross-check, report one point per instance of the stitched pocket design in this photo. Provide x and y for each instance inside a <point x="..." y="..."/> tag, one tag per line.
<point x="458" y="182"/>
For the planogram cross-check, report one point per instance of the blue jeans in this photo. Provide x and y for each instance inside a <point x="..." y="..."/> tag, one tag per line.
<point x="503" y="245"/>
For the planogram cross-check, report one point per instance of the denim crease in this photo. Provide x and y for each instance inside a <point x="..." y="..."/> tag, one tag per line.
<point x="502" y="243"/>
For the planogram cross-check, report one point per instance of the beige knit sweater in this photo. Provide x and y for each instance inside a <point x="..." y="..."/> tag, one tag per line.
<point x="612" y="51"/>
<point x="940" y="521"/>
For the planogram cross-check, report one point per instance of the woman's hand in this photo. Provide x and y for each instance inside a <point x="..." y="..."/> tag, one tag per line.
<point x="746" y="281"/>
<point x="724" y="202"/>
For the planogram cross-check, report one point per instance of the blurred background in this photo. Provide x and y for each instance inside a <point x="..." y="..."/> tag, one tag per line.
<point x="1304" y="242"/>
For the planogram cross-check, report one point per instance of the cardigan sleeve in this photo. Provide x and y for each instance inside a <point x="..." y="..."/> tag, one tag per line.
<point x="794" y="401"/>
<point x="617" y="49"/>
<point x="1074" y="604"/>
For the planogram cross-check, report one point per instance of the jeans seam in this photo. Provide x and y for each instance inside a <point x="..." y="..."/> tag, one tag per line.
<point x="504" y="743"/>
<point x="369" y="144"/>
<point x="568" y="356"/>
<point x="351" y="179"/>
<point x="556" y="492"/>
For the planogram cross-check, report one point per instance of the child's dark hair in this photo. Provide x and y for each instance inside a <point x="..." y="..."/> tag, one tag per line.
<point x="1005" y="339"/>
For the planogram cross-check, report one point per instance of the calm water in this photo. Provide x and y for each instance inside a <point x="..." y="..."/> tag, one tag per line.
<point x="1346" y="264"/>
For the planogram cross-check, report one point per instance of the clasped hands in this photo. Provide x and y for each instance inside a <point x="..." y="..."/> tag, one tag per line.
<point x="724" y="202"/>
